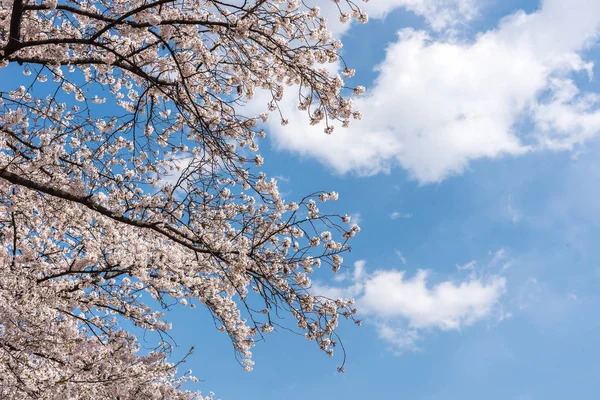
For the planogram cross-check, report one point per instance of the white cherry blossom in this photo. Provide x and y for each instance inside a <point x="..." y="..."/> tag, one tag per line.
<point x="127" y="172"/>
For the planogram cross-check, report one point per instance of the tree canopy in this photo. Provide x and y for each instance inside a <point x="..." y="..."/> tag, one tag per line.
<point x="130" y="181"/>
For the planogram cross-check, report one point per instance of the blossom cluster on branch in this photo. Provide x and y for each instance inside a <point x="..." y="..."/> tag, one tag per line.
<point x="127" y="170"/>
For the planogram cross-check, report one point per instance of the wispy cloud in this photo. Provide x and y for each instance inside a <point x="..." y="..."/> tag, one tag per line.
<point x="282" y="178"/>
<point x="514" y="214"/>
<point x="355" y="218"/>
<point x="400" y="256"/>
<point x="400" y="215"/>
<point x="470" y="266"/>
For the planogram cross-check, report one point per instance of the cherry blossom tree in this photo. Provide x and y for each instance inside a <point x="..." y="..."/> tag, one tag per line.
<point x="130" y="182"/>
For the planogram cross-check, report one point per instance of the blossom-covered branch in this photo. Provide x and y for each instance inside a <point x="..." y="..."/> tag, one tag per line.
<point x="128" y="168"/>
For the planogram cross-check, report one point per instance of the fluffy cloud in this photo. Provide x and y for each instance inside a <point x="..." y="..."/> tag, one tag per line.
<point x="403" y="307"/>
<point x="446" y="305"/>
<point x="438" y="104"/>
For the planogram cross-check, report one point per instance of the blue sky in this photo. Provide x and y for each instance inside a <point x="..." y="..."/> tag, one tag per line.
<point x="476" y="161"/>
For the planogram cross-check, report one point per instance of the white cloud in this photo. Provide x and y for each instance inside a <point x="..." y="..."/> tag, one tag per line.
<point x="514" y="214"/>
<point x="344" y="292"/>
<point x="401" y="339"/>
<point x="470" y="266"/>
<point x="282" y="178"/>
<point x="500" y="260"/>
<point x="446" y="305"/>
<point x="439" y="14"/>
<point x="400" y="256"/>
<point x="404" y="307"/>
<point x="398" y="214"/>
<point x="437" y="105"/>
<point x="355" y="218"/>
